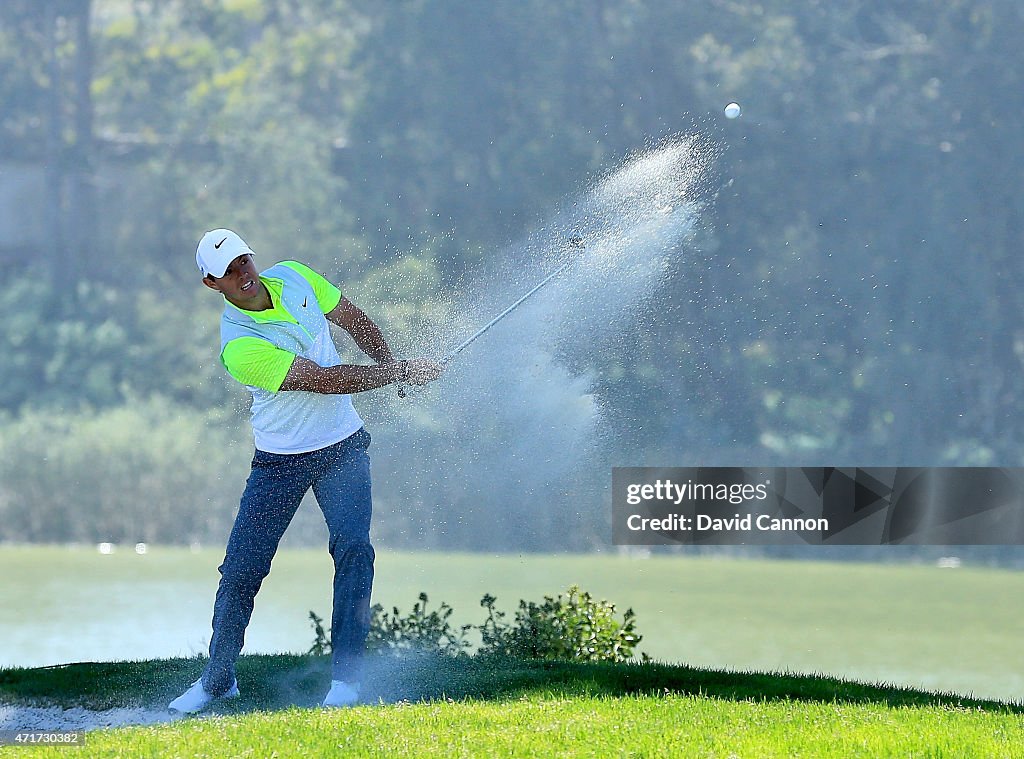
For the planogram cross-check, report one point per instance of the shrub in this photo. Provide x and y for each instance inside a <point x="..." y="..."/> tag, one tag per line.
<point x="321" y="639"/>
<point x="574" y="627"/>
<point x="153" y="471"/>
<point x="419" y="631"/>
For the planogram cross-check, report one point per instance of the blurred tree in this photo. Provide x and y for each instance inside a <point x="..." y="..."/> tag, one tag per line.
<point x="48" y="116"/>
<point x="854" y="293"/>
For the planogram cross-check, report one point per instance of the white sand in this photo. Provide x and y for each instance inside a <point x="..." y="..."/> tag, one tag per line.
<point x="56" y="718"/>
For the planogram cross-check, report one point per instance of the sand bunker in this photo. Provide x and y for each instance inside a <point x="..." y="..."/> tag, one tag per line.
<point x="76" y="718"/>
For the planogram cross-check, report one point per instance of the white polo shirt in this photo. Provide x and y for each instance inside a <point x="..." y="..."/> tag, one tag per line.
<point x="258" y="348"/>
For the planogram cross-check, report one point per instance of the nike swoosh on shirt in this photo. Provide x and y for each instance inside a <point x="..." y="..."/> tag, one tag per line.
<point x="303" y="302"/>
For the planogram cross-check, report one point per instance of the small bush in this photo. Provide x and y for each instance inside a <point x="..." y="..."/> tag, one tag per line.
<point x="574" y="627"/>
<point x="420" y="630"/>
<point x="321" y="638"/>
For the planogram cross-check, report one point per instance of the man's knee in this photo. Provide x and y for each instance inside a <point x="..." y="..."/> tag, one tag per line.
<point x="246" y="577"/>
<point x="359" y="553"/>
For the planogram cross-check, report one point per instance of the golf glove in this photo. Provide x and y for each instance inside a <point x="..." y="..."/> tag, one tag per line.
<point x="420" y="371"/>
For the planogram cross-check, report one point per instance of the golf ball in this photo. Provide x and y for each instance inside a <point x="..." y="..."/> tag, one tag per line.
<point x="732" y="110"/>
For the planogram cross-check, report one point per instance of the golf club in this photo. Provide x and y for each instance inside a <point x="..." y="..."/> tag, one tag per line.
<point x="575" y="243"/>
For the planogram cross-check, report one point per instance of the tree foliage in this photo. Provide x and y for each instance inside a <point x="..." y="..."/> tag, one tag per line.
<point x="857" y="299"/>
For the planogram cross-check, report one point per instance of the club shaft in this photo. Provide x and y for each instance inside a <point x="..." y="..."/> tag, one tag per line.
<point x="504" y="313"/>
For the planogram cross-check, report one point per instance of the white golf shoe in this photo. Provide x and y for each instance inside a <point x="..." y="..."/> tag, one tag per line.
<point x="196" y="698"/>
<point x="342" y="694"/>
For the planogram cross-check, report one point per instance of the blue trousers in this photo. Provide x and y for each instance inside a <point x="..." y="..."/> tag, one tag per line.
<point x="340" y="478"/>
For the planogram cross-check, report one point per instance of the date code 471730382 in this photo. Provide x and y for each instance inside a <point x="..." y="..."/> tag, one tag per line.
<point x="42" y="737"/>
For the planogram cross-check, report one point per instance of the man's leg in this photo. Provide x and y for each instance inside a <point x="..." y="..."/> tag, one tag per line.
<point x="343" y="492"/>
<point x="272" y="494"/>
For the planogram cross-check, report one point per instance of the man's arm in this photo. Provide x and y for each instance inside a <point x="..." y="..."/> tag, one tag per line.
<point x="352" y="378"/>
<point x="366" y="334"/>
<point x="346" y="378"/>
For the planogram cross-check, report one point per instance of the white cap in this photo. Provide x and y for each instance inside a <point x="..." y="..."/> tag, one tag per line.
<point x="216" y="251"/>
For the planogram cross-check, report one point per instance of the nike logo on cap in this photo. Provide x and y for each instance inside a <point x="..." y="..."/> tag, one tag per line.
<point x="217" y="246"/>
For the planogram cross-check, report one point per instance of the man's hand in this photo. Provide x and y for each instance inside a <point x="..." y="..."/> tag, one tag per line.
<point x="420" y="371"/>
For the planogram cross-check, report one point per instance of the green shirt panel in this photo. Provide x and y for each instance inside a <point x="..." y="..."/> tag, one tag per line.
<point x="277" y="312"/>
<point x="256" y="362"/>
<point x="327" y="295"/>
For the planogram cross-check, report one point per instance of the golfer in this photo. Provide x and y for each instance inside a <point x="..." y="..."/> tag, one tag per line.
<point x="276" y="340"/>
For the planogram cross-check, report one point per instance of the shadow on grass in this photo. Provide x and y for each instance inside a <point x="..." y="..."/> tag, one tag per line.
<point x="271" y="682"/>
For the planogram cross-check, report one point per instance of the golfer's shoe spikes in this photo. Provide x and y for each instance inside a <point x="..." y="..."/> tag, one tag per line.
<point x="342" y="694"/>
<point x="195" y="699"/>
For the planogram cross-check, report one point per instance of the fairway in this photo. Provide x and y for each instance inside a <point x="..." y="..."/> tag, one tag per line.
<point x="917" y="625"/>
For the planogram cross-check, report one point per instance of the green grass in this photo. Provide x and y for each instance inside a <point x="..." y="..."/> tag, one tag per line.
<point x="936" y="629"/>
<point x="473" y="707"/>
<point x="670" y="726"/>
